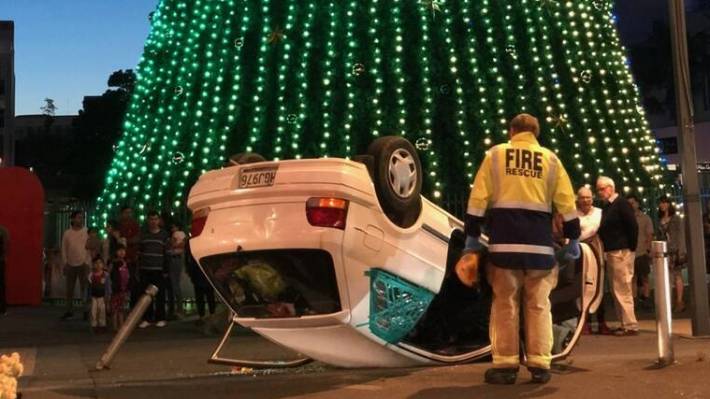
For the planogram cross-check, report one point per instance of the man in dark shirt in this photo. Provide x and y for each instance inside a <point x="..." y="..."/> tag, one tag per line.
<point x="152" y="266"/>
<point x="619" y="234"/>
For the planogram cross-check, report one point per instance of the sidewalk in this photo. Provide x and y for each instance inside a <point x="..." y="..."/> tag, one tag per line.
<point x="59" y="359"/>
<point x="59" y="353"/>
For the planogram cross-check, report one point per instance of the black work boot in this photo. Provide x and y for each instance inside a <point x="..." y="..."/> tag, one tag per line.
<point x="502" y="376"/>
<point x="539" y="375"/>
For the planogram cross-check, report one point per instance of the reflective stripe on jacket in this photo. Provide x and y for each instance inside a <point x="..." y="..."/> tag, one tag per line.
<point x="517" y="185"/>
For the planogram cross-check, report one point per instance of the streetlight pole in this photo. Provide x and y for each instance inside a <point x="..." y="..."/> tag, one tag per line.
<point x="691" y="190"/>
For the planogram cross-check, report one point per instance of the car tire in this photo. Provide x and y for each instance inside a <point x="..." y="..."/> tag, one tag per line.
<point x="245" y="157"/>
<point x="397" y="175"/>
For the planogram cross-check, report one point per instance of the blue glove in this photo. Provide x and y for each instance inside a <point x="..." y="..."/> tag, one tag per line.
<point x="473" y="244"/>
<point x="571" y="251"/>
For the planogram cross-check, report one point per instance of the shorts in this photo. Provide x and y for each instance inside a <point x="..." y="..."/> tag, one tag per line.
<point x="642" y="265"/>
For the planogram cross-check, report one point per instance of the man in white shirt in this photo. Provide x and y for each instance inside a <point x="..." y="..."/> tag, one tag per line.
<point x="75" y="259"/>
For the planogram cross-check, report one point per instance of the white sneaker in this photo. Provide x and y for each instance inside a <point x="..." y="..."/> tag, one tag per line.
<point x="161" y="323"/>
<point x="143" y="324"/>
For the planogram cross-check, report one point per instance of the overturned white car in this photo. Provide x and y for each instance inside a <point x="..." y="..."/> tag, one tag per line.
<point x="345" y="262"/>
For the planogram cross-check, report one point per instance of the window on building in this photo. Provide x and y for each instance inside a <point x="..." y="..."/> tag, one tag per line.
<point x="2" y="118"/>
<point x="668" y="145"/>
<point x="2" y="87"/>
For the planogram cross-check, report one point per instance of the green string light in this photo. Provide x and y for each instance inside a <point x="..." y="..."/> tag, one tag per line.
<point x="220" y="77"/>
<point x="286" y="64"/>
<point x="350" y="67"/>
<point x="259" y="97"/>
<point x="302" y="69"/>
<point x="428" y="111"/>
<point x="375" y="35"/>
<point x="479" y="90"/>
<point x="328" y="79"/>
<point x="647" y="153"/>
<point x="457" y="91"/>
<point x="175" y="126"/>
<point x="153" y="130"/>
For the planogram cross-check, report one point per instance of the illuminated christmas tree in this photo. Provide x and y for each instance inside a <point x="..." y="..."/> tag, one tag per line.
<point x="316" y="78"/>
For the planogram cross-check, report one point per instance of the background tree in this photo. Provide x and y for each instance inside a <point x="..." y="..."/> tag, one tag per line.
<point x="96" y="131"/>
<point x="49" y="108"/>
<point x="75" y="164"/>
<point x="43" y="151"/>
<point x="312" y="78"/>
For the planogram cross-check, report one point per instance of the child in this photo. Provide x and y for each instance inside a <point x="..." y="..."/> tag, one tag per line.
<point x="120" y="284"/>
<point x="93" y="243"/>
<point x="113" y="239"/>
<point x="99" y="288"/>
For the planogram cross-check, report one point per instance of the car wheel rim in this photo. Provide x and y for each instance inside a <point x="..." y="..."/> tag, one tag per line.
<point x="402" y="173"/>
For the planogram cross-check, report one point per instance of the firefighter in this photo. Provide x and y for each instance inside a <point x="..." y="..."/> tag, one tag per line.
<point x="516" y="187"/>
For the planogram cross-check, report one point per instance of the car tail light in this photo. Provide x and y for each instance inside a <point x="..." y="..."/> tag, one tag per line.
<point x="327" y="212"/>
<point x="198" y="222"/>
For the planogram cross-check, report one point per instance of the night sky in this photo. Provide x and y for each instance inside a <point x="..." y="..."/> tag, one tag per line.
<point x="635" y="22"/>
<point x="67" y="49"/>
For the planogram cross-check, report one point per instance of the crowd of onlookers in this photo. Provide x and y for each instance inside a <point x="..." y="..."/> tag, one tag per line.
<point x="115" y="271"/>
<point x="623" y="232"/>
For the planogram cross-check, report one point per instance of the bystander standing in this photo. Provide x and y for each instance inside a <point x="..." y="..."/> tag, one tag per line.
<point x="130" y="230"/>
<point x="76" y="260"/>
<point x="671" y="229"/>
<point x="642" y="261"/>
<point x="619" y="234"/>
<point x="176" y="265"/>
<point x="120" y="286"/>
<point x="113" y="241"/>
<point x="99" y="290"/>
<point x="590" y="218"/>
<point x="153" y="268"/>
<point x="203" y="290"/>
<point x="706" y="229"/>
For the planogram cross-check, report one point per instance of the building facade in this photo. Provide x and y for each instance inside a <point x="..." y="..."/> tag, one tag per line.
<point x="668" y="144"/>
<point x="28" y="126"/>
<point x="7" y="92"/>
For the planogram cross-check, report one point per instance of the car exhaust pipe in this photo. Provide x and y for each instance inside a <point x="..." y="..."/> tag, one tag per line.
<point x="663" y="303"/>
<point x="127" y="328"/>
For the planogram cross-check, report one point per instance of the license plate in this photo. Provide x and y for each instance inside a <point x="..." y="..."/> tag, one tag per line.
<point x="262" y="176"/>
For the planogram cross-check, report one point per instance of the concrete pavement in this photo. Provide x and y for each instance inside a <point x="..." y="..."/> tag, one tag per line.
<point x="171" y="362"/>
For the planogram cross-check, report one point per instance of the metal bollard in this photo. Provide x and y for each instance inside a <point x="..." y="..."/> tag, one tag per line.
<point x="663" y="302"/>
<point x="127" y="328"/>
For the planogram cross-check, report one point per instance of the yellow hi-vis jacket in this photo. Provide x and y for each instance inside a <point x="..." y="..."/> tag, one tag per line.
<point x="516" y="187"/>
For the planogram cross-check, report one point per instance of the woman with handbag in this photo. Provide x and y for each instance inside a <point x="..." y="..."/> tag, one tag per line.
<point x="706" y="230"/>
<point x="671" y="230"/>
